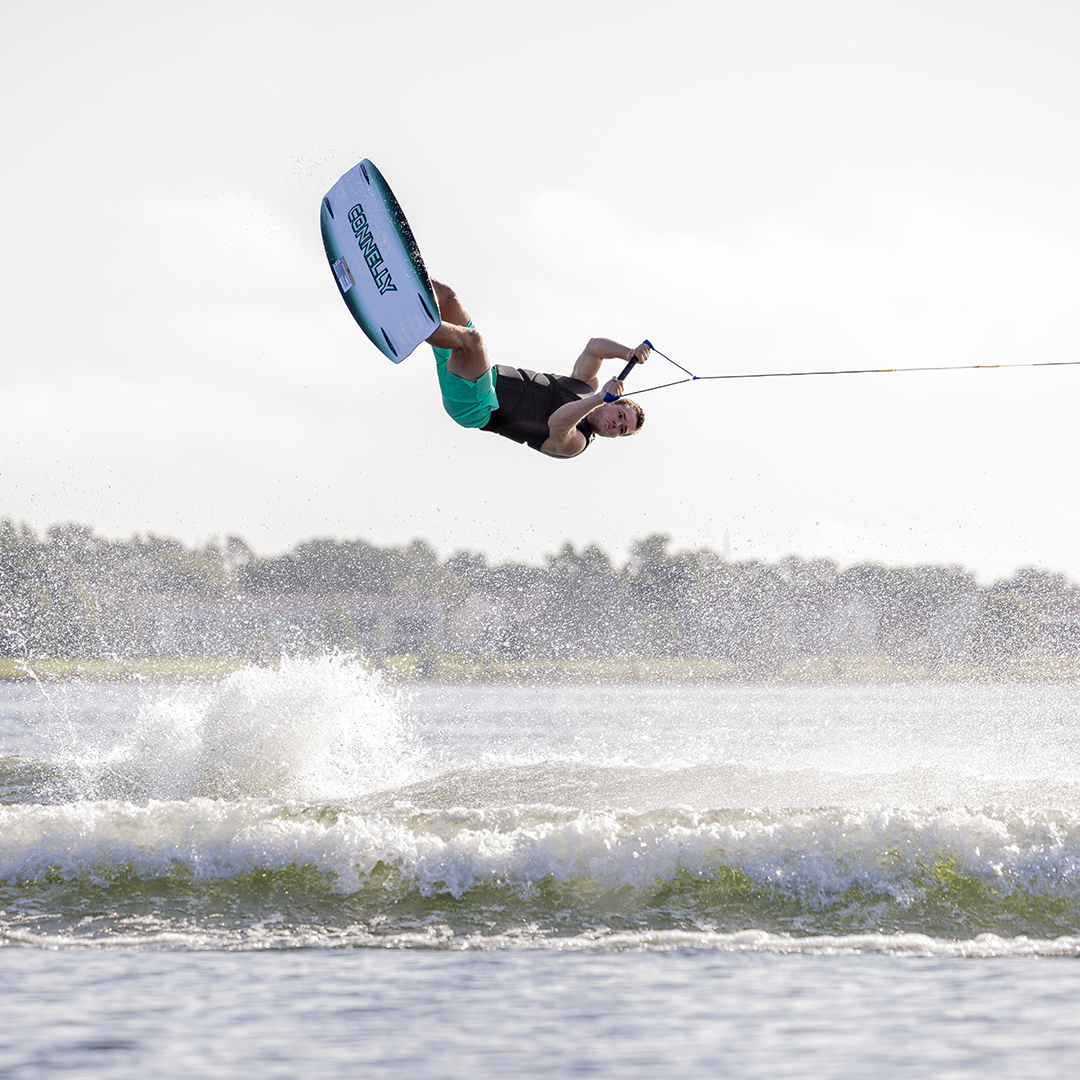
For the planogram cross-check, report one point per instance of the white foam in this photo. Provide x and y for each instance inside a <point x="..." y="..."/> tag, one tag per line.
<point x="812" y="854"/>
<point x="321" y="728"/>
<point x="983" y="945"/>
<point x="259" y="936"/>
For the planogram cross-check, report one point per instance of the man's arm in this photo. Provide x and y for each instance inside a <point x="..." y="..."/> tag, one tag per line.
<point x="564" y="439"/>
<point x="587" y="365"/>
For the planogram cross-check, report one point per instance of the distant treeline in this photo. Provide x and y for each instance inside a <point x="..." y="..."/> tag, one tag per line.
<point x="72" y="594"/>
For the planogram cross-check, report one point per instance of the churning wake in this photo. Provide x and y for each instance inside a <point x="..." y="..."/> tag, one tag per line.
<point x="314" y="804"/>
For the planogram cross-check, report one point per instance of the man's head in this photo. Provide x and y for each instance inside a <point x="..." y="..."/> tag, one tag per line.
<point x="617" y="418"/>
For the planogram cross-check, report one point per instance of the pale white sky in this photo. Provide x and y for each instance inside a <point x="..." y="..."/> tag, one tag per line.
<point x="753" y="186"/>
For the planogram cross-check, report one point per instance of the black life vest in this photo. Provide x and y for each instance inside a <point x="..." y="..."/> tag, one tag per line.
<point x="526" y="401"/>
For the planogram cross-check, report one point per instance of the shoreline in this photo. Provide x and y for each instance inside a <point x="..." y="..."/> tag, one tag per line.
<point x="843" y="670"/>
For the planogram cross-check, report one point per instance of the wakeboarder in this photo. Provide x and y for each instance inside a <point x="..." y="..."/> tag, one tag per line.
<point x="559" y="415"/>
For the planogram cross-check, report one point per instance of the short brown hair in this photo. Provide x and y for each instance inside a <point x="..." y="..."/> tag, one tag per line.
<point x="640" y="415"/>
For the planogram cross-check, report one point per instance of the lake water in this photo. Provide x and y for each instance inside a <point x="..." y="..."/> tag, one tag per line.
<point x="307" y="872"/>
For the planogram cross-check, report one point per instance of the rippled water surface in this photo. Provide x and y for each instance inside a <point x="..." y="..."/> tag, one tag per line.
<point x="305" y="866"/>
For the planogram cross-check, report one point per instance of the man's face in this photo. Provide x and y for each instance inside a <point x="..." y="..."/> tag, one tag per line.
<point x="612" y="420"/>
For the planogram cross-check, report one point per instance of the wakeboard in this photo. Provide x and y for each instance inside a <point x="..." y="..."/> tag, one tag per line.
<point x="376" y="262"/>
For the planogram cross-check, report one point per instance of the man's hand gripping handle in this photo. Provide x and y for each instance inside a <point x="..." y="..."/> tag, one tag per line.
<point x="626" y="371"/>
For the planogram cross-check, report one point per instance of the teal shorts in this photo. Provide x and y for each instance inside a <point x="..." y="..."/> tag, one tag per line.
<point x="469" y="403"/>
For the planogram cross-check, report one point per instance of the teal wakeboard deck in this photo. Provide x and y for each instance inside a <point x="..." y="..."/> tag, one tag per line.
<point x="376" y="263"/>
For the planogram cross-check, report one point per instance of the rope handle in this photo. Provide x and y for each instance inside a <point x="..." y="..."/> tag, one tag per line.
<point x="626" y="371"/>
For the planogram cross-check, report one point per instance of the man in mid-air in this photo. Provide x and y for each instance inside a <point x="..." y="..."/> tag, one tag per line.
<point x="559" y="415"/>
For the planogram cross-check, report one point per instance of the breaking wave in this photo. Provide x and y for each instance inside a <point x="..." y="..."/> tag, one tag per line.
<point x="303" y="806"/>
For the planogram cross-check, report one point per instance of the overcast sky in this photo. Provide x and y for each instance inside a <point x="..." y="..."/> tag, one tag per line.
<point x="753" y="186"/>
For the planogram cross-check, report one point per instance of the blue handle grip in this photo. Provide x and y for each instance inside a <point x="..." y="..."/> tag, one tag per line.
<point x="626" y="371"/>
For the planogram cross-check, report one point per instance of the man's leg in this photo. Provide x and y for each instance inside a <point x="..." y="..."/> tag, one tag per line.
<point x="466" y="379"/>
<point x="468" y="354"/>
